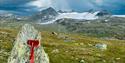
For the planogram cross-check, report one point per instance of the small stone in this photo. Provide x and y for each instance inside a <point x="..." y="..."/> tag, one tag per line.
<point x="76" y="44"/>
<point x="66" y="51"/>
<point x="76" y="58"/>
<point x="81" y="44"/>
<point x="55" y="51"/>
<point x="83" y="57"/>
<point x="54" y="33"/>
<point x="106" y="20"/>
<point x="90" y="45"/>
<point x="104" y="60"/>
<point x="118" y="58"/>
<point x="61" y="36"/>
<point x="82" y="61"/>
<point x="99" y="55"/>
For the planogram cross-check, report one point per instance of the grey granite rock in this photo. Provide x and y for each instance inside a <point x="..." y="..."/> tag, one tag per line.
<point x="21" y="51"/>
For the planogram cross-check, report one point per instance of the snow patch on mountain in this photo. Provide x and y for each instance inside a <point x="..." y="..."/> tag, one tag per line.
<point x="118" y="15"/>
<point x="49" y="22"/>
<point x="75" y="15"/>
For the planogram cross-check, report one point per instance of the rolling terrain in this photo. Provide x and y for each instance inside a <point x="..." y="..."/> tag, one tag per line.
<point x="69" y="48"/>
<point x="66" y="39"/>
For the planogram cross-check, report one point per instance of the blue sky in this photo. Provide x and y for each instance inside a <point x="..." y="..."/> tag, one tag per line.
<point x="27" y="7"/>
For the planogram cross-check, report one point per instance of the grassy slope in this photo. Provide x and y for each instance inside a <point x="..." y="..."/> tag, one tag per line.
<point x="80" y="47"/>
<point x="76" y="48"/>
<point x="7" y="37"/>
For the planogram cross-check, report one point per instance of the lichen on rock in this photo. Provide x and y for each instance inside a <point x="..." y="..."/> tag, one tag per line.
<point x="21" y="51"/>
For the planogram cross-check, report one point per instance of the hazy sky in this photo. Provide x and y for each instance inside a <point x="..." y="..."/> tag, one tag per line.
<point x="30" y="6"/>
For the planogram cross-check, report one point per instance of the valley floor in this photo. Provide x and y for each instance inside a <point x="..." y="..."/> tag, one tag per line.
<point x="69" y="48"/>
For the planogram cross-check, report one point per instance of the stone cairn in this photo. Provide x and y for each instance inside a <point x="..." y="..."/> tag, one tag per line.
<point x="21" y="51"/>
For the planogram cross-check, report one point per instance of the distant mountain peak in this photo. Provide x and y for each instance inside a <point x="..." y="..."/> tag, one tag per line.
<point x="103" y="13"/>
<point x="50" y="8"/>
<point x="45" y="15"/>
<point x="50" y="11"/>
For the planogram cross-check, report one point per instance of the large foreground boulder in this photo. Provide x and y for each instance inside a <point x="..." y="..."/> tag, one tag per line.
<point x="21" y="51"/>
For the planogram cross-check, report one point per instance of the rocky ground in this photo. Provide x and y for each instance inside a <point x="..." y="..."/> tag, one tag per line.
<point x="68" y="40"/>
<point x="69" y="48"/>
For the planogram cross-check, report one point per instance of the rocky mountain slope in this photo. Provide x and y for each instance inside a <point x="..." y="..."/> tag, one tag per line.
<point x="108" y="27"/>
<point x="45" y="15"/>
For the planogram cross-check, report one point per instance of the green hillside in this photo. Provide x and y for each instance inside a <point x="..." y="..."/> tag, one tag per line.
<point x="69" y="48"/>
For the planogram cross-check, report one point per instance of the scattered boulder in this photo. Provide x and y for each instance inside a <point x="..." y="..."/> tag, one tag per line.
<point x="54" y="33"/>
<point x="82" y="61"/>
<point x="65" y="38"/>
<point x="101" y="46"/>
<point x="98" y="55"/>
<point x="66" y="51"/>
<point x="77" y="44"/>
<point x="55" y="51"/>
<point x="117" y="58"/>
<point x="81" y="44"/>
<point x="103" y="60"/>
<point x="62" y="36"/>
<point x="90" y="45"/>
<point x="76" y="58"/>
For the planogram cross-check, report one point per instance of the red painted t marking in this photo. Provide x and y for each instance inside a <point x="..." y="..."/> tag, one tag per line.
<point x="32" y="44"/>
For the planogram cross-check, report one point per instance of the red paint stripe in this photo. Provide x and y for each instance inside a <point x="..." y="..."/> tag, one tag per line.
<point x="32" y="44"/>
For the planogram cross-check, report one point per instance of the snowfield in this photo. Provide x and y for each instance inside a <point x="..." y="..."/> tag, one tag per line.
<point x="74" y="15"/>
<point x="118" y="15"/>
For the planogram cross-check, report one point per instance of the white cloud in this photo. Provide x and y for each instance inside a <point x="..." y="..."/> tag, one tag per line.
<point x="40" y="3"/>
<point x="99" y="2"/>
<point x="61" y="5"/>
<point x="57" y="4"/>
